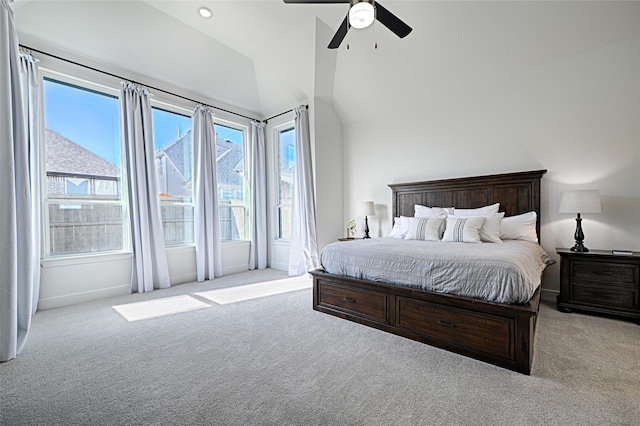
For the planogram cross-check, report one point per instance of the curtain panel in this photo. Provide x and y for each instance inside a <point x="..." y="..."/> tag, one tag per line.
<point x="19" y="189"/>
<point x="303" y="247"/>
<point x="205" y="196"/>
<point x="150" y="268"/>
<point x="258" y="192"/>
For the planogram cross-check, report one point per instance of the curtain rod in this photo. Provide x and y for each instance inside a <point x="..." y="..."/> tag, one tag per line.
<point x="283" y="113"/>
<point x="150" y="87"/>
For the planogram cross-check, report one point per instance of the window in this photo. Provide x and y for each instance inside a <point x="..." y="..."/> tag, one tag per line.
<point x="286" y="155"/>
<point x="173" y="146"/>
<point x="231" y="181"/>
<point x="84" y="209"/>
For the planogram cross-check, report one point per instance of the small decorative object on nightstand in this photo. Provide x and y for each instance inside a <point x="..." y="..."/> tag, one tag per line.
<point x="600" y="281"/>
<point x="579" y="202"/>
<point x="351" y="228"/>
<point x="366" y="208"/>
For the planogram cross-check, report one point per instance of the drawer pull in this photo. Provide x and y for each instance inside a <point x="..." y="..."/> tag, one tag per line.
<point x="349" y="299"/>
<point x="446" y="324"/>
<point x="600" y="272"/>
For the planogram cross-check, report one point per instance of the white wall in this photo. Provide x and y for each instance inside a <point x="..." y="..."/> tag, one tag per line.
<point x="578" y="117"/>
<point x="328" y="168"/>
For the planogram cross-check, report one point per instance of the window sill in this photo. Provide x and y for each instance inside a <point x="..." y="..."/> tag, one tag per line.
<point x="85" y="259"/>
<point x="236" y="242"/>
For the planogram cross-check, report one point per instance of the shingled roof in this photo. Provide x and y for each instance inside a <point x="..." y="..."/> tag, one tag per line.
<point x="229" y="158"/>
<point x="66" y="156"/>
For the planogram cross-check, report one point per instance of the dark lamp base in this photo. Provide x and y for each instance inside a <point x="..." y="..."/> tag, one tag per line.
<point x="579" y="237"/>
<point x="579" y="248"/>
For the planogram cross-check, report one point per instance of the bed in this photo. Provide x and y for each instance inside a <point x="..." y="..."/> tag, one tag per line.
<point x="501" y="334"/>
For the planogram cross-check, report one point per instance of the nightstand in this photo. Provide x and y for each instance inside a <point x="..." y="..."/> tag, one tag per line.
<point x="599" y="281"/>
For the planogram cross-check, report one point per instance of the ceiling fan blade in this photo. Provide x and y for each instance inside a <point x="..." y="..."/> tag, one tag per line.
<point x="315" y="1"/>
<point x="391" y="21"/>
<point x="340" y="34"/>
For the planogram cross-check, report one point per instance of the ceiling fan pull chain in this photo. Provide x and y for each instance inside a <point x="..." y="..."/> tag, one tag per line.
<point x="375" y="36"/>
<point x="348" y="27"/>
<point x="375" y="27"/>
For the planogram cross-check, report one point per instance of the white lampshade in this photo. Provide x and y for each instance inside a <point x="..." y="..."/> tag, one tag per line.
<point x="580" y="202"/>
<point x="366" y="208"/>
<point x="361" y="15"/>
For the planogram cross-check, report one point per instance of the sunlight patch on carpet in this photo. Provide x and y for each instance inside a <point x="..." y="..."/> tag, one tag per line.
<point x="241" y="293"/>
<point x="159" y="307"/>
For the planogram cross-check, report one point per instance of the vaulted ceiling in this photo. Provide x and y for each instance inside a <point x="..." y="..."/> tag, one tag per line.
<point x="265" y="56"/>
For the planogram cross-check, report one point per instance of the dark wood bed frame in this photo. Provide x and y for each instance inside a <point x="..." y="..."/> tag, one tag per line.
<point x="497" y="333"/>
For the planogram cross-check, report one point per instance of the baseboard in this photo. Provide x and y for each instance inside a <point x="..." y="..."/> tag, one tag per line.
<point x="549" y="295"/>
<point x="73" y="299"/>
<point x="234" y="269"/>
<point x="181" y="279"/>
<point x="279" y="266"/>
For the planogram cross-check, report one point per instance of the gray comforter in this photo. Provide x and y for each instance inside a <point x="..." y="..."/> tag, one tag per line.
<point x="506" y="273"/>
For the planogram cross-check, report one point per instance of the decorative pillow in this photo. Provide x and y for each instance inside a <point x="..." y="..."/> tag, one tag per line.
<point x="519" y="227"/>
<point x="480" y="211"/>
<point x="463" y="229"/>
<point x="400" y="227"/>
<point x="423" y="211"/>
<point x="490" y="231"/>
<point x="424" y="228"/>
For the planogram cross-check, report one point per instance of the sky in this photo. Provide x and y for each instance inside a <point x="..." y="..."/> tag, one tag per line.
<point x="287" y="150"/>
<point x="92" y="120"/>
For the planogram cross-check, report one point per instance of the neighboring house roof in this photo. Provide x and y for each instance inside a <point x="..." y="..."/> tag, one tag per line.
<point x="229" y="158"/>
<point x="66" y="156"/>
<point x="176" y="150"/>
<point x="229" y="162"/>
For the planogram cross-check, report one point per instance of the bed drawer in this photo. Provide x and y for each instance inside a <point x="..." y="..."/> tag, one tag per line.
<point x="478" y="331"/>
<point x="363" y="303"/>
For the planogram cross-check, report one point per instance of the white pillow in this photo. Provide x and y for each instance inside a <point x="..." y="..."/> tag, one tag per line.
<point x="424" y="228"/>
<point x="520" y="227"/>
<point x="400" y="227"/>
<point x="463" y="229"/>
<point x="423" y="211"/>
<point x="480" y="211"/>
<point x="490" y="231"/>
<point x="397" y="228"/>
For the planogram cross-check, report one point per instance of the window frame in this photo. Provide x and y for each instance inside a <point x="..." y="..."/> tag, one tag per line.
<point x="244" y="128"/>
<point x="110" y="86"/>
<point x="277" y="130"/>
<point x="46" y="200"/>
<point x="173" y="108"/>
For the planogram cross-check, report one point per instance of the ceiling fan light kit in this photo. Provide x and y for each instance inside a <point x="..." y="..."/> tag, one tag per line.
<point x="362" y="13"/>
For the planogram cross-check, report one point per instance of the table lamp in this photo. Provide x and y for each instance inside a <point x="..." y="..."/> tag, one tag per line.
<point x="579" y="202"/>
<point x="366" y="208"/>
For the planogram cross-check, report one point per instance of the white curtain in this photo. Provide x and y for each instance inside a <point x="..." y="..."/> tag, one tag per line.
<point x="303" y="247"/>
<point x="205" y="196"/>
<point x="150" y="269"/>
<point x="19" y="189"/>
<point x="258" y="181"/>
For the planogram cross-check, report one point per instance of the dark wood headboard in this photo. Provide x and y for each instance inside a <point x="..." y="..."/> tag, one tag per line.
<point x="517" y="193"/>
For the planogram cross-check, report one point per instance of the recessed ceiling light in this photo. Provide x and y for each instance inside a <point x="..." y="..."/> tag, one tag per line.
<point x="204" y="12"/>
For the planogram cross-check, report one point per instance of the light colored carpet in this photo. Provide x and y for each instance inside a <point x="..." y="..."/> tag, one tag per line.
<point x="275" y="361"/>
<point x="246" y="292"/>
<point x="156" y="308"/>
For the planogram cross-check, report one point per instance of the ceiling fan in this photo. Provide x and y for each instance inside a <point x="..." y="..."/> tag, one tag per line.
<point x="361" y="14"/>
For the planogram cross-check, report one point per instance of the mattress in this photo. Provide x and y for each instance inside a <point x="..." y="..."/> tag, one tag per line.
<point x="505" y="273"/>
